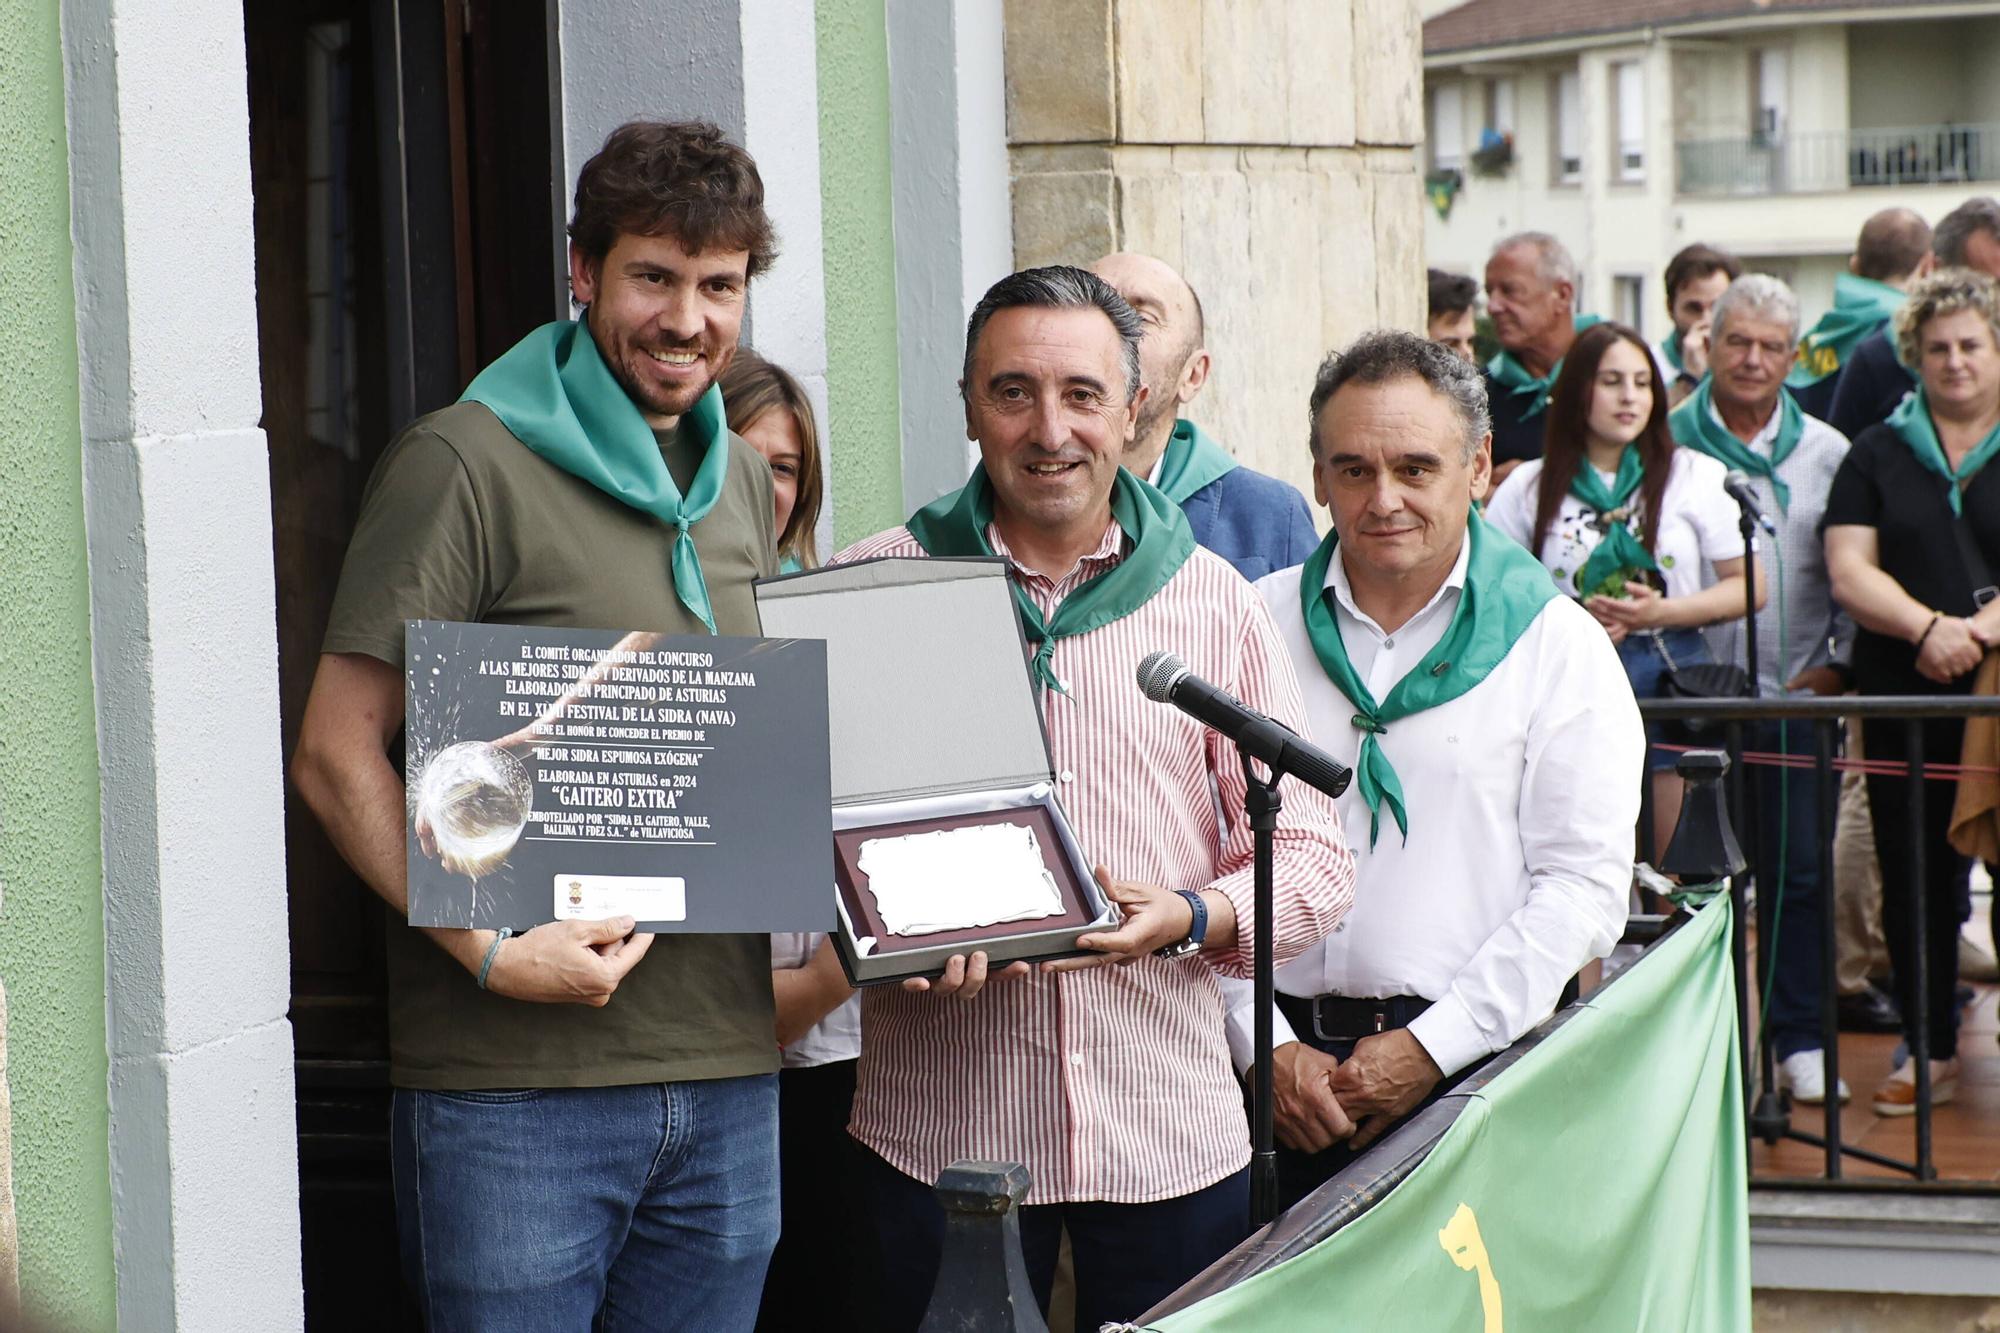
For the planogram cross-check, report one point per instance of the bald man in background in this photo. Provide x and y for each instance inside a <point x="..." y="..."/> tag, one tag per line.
<point x="1893" y="251"/>
<point x="1257" y="523"/>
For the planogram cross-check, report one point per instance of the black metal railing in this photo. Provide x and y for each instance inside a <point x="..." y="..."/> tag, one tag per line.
<point x="1767" y="1108"/>
<point x="1818" y="161"/>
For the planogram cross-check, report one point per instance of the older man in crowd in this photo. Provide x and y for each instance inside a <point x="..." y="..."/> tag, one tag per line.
<point x="1112" y="1085"/>
<point x="1893" y="251"/>
<point x="1531" y="298"/>
<point x="1696" y="278"/>
<point x="1256" y="523"/>
<point x="1873" y="381"/>
<point x="1497" y="752"/>
<point x="1743" y="416"/>
<point x="1450" y="320"/>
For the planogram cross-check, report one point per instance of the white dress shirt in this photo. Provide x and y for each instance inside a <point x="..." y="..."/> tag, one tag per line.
<point x="1522" y="795"/>
<point x="835" y="1037"/>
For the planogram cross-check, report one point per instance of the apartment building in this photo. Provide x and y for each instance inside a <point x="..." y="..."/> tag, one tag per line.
<point x="1633" y="127"/>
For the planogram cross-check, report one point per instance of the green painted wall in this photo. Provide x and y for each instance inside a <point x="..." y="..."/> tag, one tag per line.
<point x="864" y="425"/>
<point x="51" y="906"/>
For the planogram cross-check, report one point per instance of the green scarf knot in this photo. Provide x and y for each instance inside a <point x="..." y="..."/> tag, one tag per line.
<point x="1695" y="426"/>
<point x="1505" y="589"/>
<point x="1620" y="553"/>
<point x="1192" y="461"/>
<point x="1912" y="421"/>
<point x="1860" y="306"/>
<point x="955" y="525"/>
<point x="1514" y="376"/>
<point x="554" y="393"/>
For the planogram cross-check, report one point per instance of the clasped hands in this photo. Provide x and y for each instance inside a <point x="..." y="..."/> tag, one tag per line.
<point x="1154" y="918"/>
<point x="1640" y="609"/>
<point x="1321" y="1100"/>
<point x="1954" y="645"/>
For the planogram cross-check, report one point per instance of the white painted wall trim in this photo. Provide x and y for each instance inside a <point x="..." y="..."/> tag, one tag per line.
<point x="178" y="517"/>
<point x="953" y="216"/>
<point x="751" y="68"/>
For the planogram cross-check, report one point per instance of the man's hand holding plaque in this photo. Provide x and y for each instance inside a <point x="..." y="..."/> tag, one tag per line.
<point x="1155" y="919"/>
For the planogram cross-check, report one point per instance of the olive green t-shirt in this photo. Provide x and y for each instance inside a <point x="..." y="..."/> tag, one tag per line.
<point x="461" y="521"/>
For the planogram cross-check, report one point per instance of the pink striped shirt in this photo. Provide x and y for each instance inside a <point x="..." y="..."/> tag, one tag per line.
<point x="1115" y="1083"/>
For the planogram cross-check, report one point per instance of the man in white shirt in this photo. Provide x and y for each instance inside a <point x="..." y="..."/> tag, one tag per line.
<point x="1743" y="415"/>
<point x="1497" y="754"/>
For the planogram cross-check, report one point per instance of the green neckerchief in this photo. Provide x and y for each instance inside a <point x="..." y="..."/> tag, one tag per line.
<point x="1860" y="306"/>
<point x="1514" y="376"/>
<point x="1505" y="589"/>
<point x="1695" y="426"/>
<point x="1671" y="349"/>
<point x="1192" y="461"/>
<point x="553" y="391"/>
<point x="789" y="564"/>
<point x="1161" y="543"/>
<point x="1912" y="421"/>
<point x="1619" y="550"/>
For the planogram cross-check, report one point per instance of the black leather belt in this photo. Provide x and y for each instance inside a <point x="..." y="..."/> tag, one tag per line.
<point x="1342" y="1018"/>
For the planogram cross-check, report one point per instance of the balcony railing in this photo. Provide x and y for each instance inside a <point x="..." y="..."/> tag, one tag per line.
<point x="1839" y="160"/>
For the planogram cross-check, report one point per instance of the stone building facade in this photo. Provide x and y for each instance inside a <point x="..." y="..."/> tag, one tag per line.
<point x="1264" y="149"/>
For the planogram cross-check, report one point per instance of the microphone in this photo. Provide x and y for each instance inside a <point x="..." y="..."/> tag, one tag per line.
<point x="1165" y="679"/>
<point x="1738" y="486"/>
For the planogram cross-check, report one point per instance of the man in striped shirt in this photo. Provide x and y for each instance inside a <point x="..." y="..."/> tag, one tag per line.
<point x="1112" y="1084"/>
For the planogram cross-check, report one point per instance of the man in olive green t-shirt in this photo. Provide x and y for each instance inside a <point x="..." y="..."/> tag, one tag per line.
<point x="584" y="1121"/>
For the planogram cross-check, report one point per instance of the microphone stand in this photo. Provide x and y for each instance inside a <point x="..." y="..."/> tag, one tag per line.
<point x="1261" y="803"/>
<point x="1769" y="1117"/>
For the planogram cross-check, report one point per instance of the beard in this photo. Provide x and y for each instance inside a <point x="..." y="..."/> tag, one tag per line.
<point x="627" y="357"/>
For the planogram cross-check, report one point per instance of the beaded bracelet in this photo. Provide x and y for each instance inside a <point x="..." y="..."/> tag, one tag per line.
<point x="492" y="950"/>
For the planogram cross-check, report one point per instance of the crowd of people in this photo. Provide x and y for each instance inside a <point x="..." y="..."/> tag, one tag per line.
<point x="595" y="1126"/>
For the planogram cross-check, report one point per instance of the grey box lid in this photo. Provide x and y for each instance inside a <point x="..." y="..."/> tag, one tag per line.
<point x="927" y="679"/>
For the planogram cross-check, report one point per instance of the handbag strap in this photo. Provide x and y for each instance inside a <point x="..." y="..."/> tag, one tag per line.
<point x="1983" y="588"/>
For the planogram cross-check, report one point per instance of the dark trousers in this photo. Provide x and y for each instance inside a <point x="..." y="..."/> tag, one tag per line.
<point x="1943" y="882"/>
<point x="1300" y="1173"/>
<point x="1789" y="831"/>
<point x="817" y="1274"/>
<point x="1129" y="1256"/>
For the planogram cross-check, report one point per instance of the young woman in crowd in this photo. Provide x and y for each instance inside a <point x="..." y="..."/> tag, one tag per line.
<point x="819" y="1018"/>
<point x="1625" y="522"/>
<point x="769" y="409"/>
<point x="1913" y="506"/>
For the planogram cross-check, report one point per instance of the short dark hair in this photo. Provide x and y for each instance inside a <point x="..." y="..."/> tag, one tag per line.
<point x="1451" y="293"/>
<point x="673" y="178"/>
<point x="1058" y="287"/>
<point x="1698" y="261"/>
<point x="1956" y="228"/>
<point x="1391" y="354"/>
<point x="1892" y="243"/>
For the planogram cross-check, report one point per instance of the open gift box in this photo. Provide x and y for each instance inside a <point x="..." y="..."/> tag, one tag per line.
<point x="934" y="728"/>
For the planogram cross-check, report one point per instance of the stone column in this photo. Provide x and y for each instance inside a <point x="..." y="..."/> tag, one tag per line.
<point x="1262" y="147"/>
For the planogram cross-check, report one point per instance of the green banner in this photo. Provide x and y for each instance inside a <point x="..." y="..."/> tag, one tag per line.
<point x="1598" y="1183"/>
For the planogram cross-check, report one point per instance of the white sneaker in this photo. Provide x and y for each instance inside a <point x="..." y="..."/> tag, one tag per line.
<point x="1804" y="1073"/>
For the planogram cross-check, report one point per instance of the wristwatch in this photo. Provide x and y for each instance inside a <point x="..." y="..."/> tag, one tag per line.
<point x="1197" y="929"/>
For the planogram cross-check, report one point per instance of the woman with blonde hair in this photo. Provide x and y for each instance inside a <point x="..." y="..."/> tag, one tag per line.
<point x="770" y="410"/>
<point x="1912" y="536"/>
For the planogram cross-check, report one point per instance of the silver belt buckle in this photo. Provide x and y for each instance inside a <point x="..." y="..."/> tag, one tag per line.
<point x="1981" y="596"/>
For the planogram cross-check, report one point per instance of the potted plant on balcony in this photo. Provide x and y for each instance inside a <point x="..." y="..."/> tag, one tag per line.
<point x="1495" y="154"/>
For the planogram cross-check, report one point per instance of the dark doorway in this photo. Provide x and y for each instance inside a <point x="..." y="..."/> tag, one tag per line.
<point x="405" y="195"/>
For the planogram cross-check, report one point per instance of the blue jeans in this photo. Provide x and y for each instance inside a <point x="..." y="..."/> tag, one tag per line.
<point x="1788" y="836"/>
<point x="651" y="1206"/>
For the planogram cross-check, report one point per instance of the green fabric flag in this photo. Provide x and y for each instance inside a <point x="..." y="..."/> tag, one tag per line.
<point x="1860" y="306"/>
<point x="1695" y="427"/>
<point x="1912" y="421"/>
<point x="1192" y="461"/>
<point x="1515" y="377"/>
<point x="1671" y="348"/>
<point x="1613" y="560"/>
<point x="553" y="391"/>
<point x="1505" y="589"/>
<point x="1596" y="1183"/>
<point x="1161" y="543"/>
